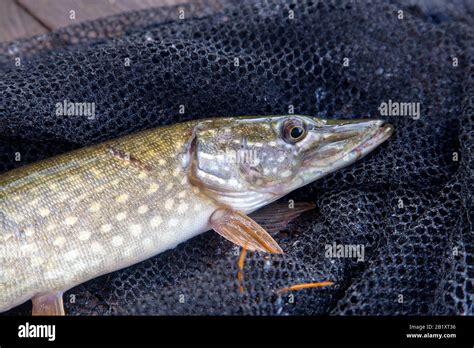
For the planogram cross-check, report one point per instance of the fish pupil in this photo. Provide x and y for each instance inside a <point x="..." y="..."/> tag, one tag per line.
<point x="296" y="132"/>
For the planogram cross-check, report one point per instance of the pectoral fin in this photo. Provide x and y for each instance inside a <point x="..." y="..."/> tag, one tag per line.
<point x="243" y="231"/>
<point x="48" y="304"/>
<point x="275" y="217"/>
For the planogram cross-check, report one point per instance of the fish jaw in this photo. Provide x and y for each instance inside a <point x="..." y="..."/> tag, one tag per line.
<point x="343" y="143"/>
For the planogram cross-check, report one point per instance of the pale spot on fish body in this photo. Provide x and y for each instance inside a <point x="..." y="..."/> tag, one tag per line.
<point x="71" y="255"/>
<point x="106" y="228"/>
<point x="43" y="212"/>
<point x="70" y="220"/>
<point x="135" y="230"/>
<point x="83" y="235"/>
<point x="117" y="241"/>
<point x="8" y="236"/>
<point x="63" y="198"/>
<point x="182" y="208"/>
<point x="234" y="182"/>
<point x="153" y="188"/>
<point x="97" y="248"/>
<point x="52" y="275"/>
<point x="73" y="179"/>
<point x="27" y="248"/>
<point x="142" y="209"/>
<point x="207" y="156"/>
<point x="169" y="204"/>
<point x="177" y="172"/>
<point x="121" y="216"/>
<point x="95" y="207"/>
<point x="147" y="243"/>
<point x="219" y="180"/>
<point x="34" y="202"/>
<point x="99" y="189"/>
<point x="96" y="172"/>
<point x="122" y="198"/>
<point x="173" y="222"/>
<point x="18" y="217"/>
<point x="128" y="252"/>
<point x="36" y="261"/>
<point x="156" y="221"/>
<point x="60" y="241"/>
<point x="29" y="231"/>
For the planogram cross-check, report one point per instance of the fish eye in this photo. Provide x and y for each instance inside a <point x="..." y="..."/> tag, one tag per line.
<point x="294" y="130"/>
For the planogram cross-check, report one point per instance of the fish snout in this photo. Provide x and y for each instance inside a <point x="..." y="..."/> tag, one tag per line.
<point x="345" y="141"/>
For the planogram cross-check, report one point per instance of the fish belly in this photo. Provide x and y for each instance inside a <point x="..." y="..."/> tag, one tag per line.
<point x="60" y="261"/>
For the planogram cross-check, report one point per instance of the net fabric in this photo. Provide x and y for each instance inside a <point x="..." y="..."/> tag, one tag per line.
<point x="407" y="203"/>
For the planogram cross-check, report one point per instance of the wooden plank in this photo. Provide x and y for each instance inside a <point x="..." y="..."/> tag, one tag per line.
<point x="16" y="23"/>
<point x="56" y="13"/>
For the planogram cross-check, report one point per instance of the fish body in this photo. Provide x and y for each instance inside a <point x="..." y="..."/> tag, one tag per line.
<point x="95" y="210"/>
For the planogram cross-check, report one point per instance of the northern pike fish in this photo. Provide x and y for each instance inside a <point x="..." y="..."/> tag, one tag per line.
<point x="98" y="209"/>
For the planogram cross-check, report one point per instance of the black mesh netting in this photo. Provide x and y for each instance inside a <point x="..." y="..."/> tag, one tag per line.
<point x="407" y="203"/>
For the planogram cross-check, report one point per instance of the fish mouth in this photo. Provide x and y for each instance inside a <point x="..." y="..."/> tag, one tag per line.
<point x="380" y="135"/>
<point x="342" y="142"/>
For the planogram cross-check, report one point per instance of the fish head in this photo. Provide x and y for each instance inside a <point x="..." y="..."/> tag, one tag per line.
<point x="247" y="162"/>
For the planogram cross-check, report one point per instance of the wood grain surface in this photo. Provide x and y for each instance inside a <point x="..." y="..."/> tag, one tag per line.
<point x="25" y="18"/>
<point x="15" y="22"/>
